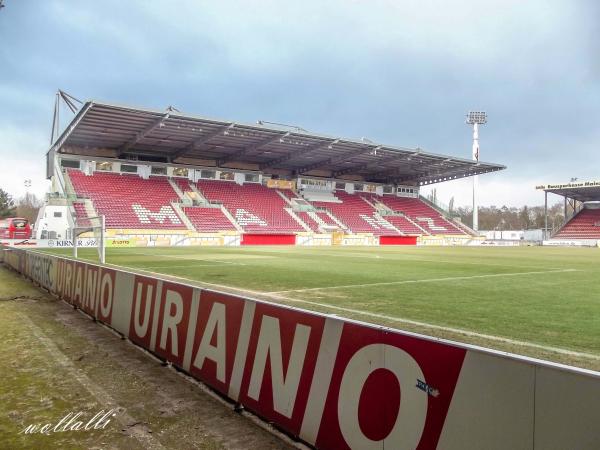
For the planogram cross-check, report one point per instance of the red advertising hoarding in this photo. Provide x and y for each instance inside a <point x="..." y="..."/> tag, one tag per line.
<point x="331" y="382"/>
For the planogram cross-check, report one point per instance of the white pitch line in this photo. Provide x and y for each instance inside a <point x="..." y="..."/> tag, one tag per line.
<point x="439" y="327"/>
<point x="190" y="259"/>
<point x="411" y="258"/>
<point x="425" y="280"/>
<point x="187" y="266"/>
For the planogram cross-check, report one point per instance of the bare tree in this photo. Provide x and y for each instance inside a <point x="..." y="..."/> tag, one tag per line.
<point x="511" y="218"/>
<point x="28" y="207"/>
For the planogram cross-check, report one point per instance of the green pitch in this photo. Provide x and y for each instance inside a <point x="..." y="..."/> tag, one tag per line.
<point x="541" y="302"/>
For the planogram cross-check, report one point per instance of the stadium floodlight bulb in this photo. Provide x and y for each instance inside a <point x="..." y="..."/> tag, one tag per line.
<point x="477" y="117"/>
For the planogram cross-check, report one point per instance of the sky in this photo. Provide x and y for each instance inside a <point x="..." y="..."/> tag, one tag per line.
<point x="397" y="72"/>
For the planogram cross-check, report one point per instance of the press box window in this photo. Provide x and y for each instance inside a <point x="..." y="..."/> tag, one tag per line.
<point x="159" y="170"/>
<point x="128" y="168"/>
<point x="180" y="172"/>
<point x="69" y="163"/>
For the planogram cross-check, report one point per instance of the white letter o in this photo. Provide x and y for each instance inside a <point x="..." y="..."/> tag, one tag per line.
<point x="106" y="286"/>
<point x="406" y="432"/>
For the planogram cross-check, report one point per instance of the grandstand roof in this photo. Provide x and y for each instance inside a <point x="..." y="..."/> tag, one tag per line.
<point x="173" y="136"/>
<point x="583" y="191"/>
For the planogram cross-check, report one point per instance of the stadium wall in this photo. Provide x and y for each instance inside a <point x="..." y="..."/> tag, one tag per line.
<point x="332" y="382"/>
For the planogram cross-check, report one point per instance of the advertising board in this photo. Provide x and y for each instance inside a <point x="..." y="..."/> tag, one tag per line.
<point x="332" y="382"/>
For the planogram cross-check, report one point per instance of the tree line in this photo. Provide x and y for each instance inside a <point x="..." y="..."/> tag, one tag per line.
<point x="26" y="206"/>
<point x="505" y="218"/>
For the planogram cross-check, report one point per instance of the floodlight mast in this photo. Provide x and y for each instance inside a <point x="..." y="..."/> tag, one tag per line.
<point x="476" y="118"/>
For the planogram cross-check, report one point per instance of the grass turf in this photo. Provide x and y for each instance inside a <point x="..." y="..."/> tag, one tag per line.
<point x="548" y="297"/>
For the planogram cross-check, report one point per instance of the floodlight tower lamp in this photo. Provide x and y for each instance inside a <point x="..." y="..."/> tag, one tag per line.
<point x="476" y="118"/>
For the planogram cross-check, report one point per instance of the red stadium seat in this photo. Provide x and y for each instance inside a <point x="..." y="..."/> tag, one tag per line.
<point x="208" y="219"/>
<point x="129" y="201"/>
<point x="358" y="215"/>
<point x="81" y="214"/>
<point x="585" y="225"/>
<point x="256" y="208"/>
<point x="421" y="213"/>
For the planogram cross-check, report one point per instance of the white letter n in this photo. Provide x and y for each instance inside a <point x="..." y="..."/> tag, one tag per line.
<point x="285" y="387"/>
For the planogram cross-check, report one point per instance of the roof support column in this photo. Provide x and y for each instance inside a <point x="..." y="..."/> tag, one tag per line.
<point x="545" y="215"/>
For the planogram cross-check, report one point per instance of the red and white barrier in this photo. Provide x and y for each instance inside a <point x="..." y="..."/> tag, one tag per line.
<point x="335" y="383"/>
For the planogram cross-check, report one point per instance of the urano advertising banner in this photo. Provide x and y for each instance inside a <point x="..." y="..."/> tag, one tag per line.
<point x="335" y="383"/>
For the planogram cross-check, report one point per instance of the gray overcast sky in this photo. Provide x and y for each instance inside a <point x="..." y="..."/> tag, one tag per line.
<point x="396" y="72"/>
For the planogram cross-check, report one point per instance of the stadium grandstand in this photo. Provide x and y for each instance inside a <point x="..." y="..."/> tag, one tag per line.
<point x="581" y="201"/>
<point x="191" y="179"/>
<point x="277" y="333"/>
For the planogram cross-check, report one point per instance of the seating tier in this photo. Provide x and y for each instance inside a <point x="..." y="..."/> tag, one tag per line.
<point x="427" y="217"/>
<point x="585" y="225"/>
<point x="128" y="201"/>
<point x="358" y="215"/>
<point x="208" y="219"/>
<point x="256" y="208"/>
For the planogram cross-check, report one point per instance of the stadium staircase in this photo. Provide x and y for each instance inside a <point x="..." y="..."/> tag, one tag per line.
<point x="357" y="214"/>
<point x="79" y="213"/>
<point x="189" y="192"/>
<point x="583" y="225"/>
<point x="298" y="208"/>
<point x="328" y="214"/>
<point x="287" y="195"/>
<point x="467" y="229"/>
<point x="202" y="215"/>
<point x="297" y="218"/>
<point x="401" y="222"/>
<point x="388" y="215"/>
<point x="558" y="228"/>
<point x="406" y="224"/>
<point x="227" y="214"/>
<point x="209" y="219"/>
<point x="310" y="221"/>
<point x="89" y="208"/>
<point x="445" y="215"/>
<point x="319" y="221"/>
<point x="175" y="185"/>
<point x="182" y="215"/>
<point x="256" y="208"/>
<point x="68" y="185"/>
<point x="420" y="213"/>
<point x="81" y="208"/>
